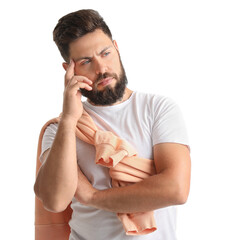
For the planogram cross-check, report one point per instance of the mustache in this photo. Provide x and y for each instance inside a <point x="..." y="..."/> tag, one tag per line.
<point x="105" y="75"/>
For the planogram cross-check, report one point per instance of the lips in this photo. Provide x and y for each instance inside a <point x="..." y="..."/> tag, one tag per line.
<point x="105" y="81"/>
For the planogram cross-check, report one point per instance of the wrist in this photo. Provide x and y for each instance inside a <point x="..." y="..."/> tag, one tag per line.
<point x="68" y="122"/>
<point x="93" y="201"/>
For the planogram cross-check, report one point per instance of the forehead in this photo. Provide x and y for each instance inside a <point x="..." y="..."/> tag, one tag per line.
<point x="89" y="44"/>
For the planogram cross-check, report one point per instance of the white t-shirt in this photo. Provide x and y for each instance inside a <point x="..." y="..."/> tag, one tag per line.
<point x="143" y="120"/>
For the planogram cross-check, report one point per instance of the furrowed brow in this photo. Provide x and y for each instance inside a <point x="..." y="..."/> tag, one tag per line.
<point x="102" y="51"/>
<point x="82" y="58"/>
<point x="90" y="58"/>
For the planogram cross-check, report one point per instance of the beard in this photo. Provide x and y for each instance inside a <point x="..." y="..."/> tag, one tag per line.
<point x="109" y="95"/>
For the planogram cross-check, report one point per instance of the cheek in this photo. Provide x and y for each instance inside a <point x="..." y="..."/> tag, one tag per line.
<point x="114" y="64"/>
<point x="117" y="66"/>
<point x="84" y="71"/>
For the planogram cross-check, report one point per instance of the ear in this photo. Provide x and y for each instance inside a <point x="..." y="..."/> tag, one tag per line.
<point x="65" y="65"/>
<point x="116" y="45"/>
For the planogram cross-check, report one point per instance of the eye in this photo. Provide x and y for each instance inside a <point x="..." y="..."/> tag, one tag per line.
<point x="106" y="54"/>
<point x="85" y="62"/>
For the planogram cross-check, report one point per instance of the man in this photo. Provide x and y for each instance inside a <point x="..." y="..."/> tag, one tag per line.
<point x="152" y="124"/>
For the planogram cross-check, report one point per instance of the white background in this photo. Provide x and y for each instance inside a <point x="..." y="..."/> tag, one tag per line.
<point x="173" y="48"/>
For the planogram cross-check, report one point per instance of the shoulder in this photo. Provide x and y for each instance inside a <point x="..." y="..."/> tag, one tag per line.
<point x="52" y="128"/>
<point x="49" y="134"/>
<point x="154" y="101"/>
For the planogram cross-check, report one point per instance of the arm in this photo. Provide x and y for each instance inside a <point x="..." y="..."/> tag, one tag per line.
<point x="57" y="178"/>
<point x="170" y="186"/>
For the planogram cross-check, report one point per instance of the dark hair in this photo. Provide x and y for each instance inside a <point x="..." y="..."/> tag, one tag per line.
<point x="75" y="25"/>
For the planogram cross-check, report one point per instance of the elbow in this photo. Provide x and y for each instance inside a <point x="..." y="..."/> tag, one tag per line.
<point x="55" y="206"/>
<point x="50" y="203"/>
<point x="36" y="190"/>
<point x="180" y="195"/>
<point x="181" y="198"/>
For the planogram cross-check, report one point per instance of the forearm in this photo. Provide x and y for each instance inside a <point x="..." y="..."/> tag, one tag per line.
<point x="155" y="192"/>
<point x="57" y="179"/>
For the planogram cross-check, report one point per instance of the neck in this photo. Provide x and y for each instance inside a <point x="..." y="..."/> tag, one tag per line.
<point x="126" y="96"/>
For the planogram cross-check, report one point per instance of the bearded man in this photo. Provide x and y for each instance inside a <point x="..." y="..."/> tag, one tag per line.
<point x="152" y="124"/>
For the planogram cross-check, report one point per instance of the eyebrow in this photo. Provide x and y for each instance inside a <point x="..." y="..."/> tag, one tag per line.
<point x="104" y="50"/>
<point x="89" y="58"/>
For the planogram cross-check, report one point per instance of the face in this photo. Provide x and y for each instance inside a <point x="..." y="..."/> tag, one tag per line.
<point x="97" y="58"/>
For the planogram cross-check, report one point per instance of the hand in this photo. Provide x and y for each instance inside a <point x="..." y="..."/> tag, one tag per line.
<point x="85" y="191"/>
<point x="72" y="105"/>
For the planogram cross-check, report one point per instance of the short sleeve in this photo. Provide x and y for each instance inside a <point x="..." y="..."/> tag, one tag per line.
<point x="169" y="125"/>
<point x="48" y="138"/>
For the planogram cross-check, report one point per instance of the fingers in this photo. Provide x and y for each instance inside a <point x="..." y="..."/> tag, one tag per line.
<point x="82" y="79"/>
<point x="70" y="72"/>
<point x="78" y="82"/>
<point x="78" y="85"/>
<point x="71" y="79"/>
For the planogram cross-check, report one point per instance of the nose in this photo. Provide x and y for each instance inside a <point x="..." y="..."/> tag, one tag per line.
<point x="100" y="66"/>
